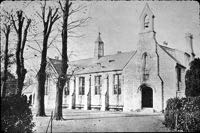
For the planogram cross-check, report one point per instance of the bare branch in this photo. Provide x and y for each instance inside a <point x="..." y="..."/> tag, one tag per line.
<point x="55" y="13"/>
<point x="52" y="19"/>
<point x="38" y="45"/>
<point x="69" y="5"/>
<point x="13" y="21"/>
<point x="52" y="41"/>
<point x="56" y="18"/>
<point x="61" y="6"/>
<point x="43" y="11"/>
<point x="34" y="49"/>
<point x="80" y="23"/>
<point x="78" y="36"/>
<point x="39" y="15"/>
<point x="57" y="49"/>
<point x="25" y="35"/>
<point x="79" y="8"/>
<point x="75" y="21"/>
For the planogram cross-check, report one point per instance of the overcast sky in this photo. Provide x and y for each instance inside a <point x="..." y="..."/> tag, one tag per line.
<point x="118" y="22"/>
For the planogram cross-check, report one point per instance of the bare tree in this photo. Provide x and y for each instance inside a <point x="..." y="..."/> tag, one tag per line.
<point x="48" y="22"/>
<point x="6" y="31"/>
<point x="6" y="55"/>
<point x="62" y="78"/>
<point x="21" y="41"/>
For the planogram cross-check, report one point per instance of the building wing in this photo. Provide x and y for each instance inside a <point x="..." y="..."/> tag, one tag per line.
<point x="92" y="65"/>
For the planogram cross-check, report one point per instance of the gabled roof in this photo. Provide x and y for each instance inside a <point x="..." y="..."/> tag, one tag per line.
<point x="56" y="64"/>
<point x="146" y="11"/>
<point x="92" y="65"/>
<point x="177" y="55"/>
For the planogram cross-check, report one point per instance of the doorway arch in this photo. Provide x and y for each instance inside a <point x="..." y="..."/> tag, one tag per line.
<point x="147" y="97"/>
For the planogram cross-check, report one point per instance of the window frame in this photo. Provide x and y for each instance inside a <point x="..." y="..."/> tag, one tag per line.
<point x="67" y="89"/>
<point x="117" y="87"/>
<point x="179" y="77"/>
<point x="144" y="66"/>
<point x="81" y="86"/>
<point x="97" y="85"/>
<point x="179" y="74"/>
<point x="46" y="91"/>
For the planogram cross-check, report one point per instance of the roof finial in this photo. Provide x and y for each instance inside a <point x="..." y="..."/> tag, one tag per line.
<point x="99" y="37"/>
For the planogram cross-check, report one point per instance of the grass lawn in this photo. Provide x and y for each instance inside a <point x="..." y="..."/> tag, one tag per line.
<point x="98" y="121"/>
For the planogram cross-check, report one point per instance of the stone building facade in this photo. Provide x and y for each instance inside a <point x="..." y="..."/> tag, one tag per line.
<point x="130" y="81"/>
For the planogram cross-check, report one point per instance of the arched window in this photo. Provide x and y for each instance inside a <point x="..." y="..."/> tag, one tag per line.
<point x="146" y="22"/>
<point x="144" y="66"/>
<point x="144" y="61"/>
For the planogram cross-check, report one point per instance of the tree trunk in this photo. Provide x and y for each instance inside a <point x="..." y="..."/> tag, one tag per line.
<point x="40" y="94"/>
<point x="7" y="32"/>
<point x="59" y="98"/>
<point x="18" y="71"/>
<point x="47" y="23"/>
<point x="64" y="66"/>
<point x="41" y="81"/>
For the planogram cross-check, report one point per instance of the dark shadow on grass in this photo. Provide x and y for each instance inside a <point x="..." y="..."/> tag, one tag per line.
<point x="41" y="116"/>
<point x="104" y="117"/>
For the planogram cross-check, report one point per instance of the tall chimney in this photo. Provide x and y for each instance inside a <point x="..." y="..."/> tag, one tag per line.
<point x="189" y="44"/>
<point x="99" y="47"/>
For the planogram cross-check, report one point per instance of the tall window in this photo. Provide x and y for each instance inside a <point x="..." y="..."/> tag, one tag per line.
<point x="146" y="22"/>
<point x="117" y="83"/>
<point x="66" y="89"/>
<point x="47" y="85"/>
<point x="144" y="58"/>
<point x="81" y="85"/>
<point x="144" y="66"/>
<point x="178" y="77"/>
<point x="179" y="74"/>
<point x="98" y="85"/>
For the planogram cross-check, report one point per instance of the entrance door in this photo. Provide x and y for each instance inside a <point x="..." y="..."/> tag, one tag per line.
<point x="147" y="97"/>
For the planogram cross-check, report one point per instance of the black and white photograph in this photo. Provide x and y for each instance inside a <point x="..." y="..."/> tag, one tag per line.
<point x="100" y="66"/>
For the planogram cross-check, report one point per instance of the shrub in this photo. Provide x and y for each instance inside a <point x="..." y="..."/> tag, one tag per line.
<point x="183" y="114"/>
<point x="16" y="116"/>
<point x="172" y="109"/>
<point x="192" y="79"/>
<point x="192" y="114"/>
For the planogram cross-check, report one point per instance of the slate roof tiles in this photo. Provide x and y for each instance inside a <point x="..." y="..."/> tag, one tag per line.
<point x="91" y="65"/>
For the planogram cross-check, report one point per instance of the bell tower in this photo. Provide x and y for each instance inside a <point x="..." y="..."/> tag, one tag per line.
<point x="146" y="20"/>
<point x="147" y="41"/>
<point x="99" y="47"/>
<point x="147" y="47"/>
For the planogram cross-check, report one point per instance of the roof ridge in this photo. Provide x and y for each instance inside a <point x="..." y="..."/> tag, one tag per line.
<point x="105" y="55"/>
<point x="175" y="59"/>
<point x="172" y="48"/>
<point x="93" y="57"/>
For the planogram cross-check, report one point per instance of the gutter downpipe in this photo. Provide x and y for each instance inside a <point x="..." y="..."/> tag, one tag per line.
<point x="162" y="83"/>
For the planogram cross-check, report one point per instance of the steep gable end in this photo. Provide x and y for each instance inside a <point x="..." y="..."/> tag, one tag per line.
<point x="176" y="55"/>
